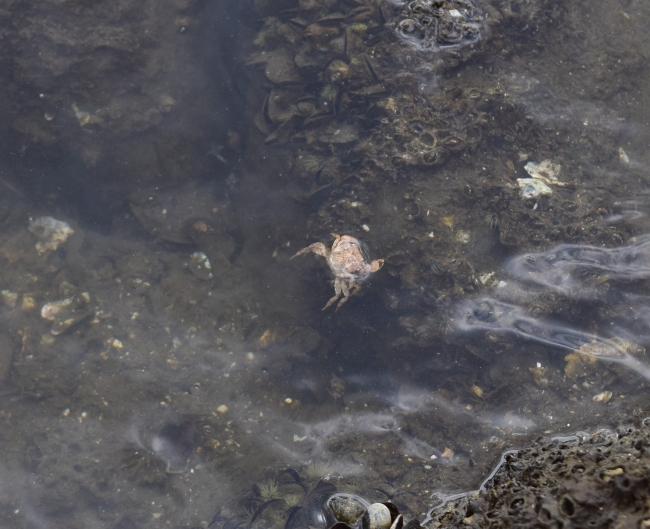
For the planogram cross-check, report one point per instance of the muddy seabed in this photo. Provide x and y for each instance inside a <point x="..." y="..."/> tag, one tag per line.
<point x="163" y="363"/>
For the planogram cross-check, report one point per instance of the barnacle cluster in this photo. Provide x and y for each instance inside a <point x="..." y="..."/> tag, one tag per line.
<point x="439" y="24"/>
<point x="342" y="84"/>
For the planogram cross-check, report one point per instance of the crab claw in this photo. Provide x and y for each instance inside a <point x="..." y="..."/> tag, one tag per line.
<point x="376" y="265"/>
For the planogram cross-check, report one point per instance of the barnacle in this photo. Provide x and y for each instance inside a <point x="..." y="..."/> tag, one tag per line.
<point x="292" y="500"/>
<point x="311" y="163"/>
<point x="268" y="490"/>
<point x="318" y="469"/>
<point x="329" y="92"/>
<point x="492" y="220"/>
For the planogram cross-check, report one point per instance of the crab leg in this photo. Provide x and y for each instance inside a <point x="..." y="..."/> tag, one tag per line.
<point x="348" y="290"/>
<point x="318" y="248"/>
<point x="337" y="289"/>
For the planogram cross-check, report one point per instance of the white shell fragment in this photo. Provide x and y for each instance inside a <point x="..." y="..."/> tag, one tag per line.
<point x="50" y="233"/>
<point x="542" y="176"/>
<point x="532" y="187"/>
<point x="378" y="516"/>
<point x="66" y="313"/>
<point x="200" y="266"/>
<point x="52" y="309"/>
<point x="603" y="397"/>
<point x="623" y="157"/>
<point x="546" y="171"/>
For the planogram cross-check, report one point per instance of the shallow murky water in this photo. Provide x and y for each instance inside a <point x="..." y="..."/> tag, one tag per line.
<point x="164" y="362"/>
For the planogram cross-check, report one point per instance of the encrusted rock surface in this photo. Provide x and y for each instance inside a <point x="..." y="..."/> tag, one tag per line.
<point x="600" y="481"/>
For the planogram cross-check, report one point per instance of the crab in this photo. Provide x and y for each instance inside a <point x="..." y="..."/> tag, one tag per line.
<point x="348" y="262"/>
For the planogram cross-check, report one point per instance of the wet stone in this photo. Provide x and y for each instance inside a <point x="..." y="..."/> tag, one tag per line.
<point x="50" y="233"/>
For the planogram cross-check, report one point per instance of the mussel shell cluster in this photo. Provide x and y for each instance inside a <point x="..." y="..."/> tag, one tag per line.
<point x="325" y="508"/>
<point x="317" y="61"/>
<point x="351" y="511"/>
<point x="342" y="86"/>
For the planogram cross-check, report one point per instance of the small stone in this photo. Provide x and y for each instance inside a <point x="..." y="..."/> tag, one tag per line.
<point x="463" y="237"/>
<point x="49" y="311"/>
<point x="222" y="409"/>
<point x="447" y="453"/>
<point x="29" y="303"/>
<point x="9" y="298"/>
<point x="200" y="266"/>
<point x="612" y="472"/>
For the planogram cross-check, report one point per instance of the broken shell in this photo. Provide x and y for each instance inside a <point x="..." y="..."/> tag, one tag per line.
<point x="545" y="171"/>
<point x="377" y="517"/>
<point x="532" y="187"/>
<point x="50" y="310"/>
<point x="86" y="119"/>
<point x="603" y="397"/>
<point x="448" y="453"/>
<point x="66" y="313"/>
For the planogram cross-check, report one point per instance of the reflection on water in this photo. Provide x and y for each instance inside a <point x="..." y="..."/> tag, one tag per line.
<point x="570" y="268"/>
<point x="163" y="362"/>
<point x="580" y="273"/>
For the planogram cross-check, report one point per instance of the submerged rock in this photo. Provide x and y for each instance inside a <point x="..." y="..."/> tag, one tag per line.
<point x="50" y="233"/>
<point x="578" y="481"/>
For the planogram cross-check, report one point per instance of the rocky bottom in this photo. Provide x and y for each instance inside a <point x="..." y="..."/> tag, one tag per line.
<point x="600" y="480"/>
<point x="597" y="481"/>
